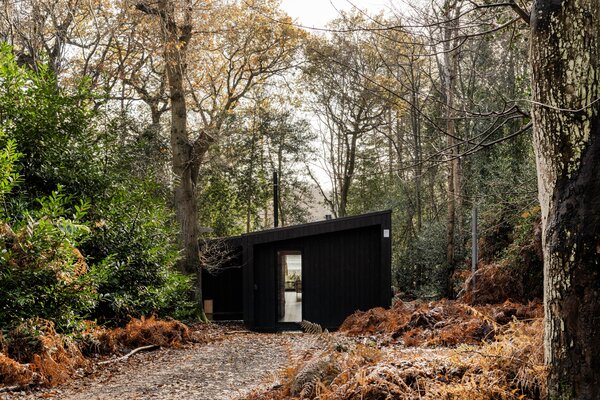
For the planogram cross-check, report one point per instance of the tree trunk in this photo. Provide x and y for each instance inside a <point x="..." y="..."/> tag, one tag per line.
<point x="250" y="177"/>
<point x="348" y="171"/>
<point x="279" y="205"/>
<point x="390" y="135"/>
<point x="399" y="137"/>
<point x="452" y="11"/>
<point x="565" y="57"/>
<point x="449" y="289"/>
<point x="416" y="131"/>
<point x="186" y="156"/>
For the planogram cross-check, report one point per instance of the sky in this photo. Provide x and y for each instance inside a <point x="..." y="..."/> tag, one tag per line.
<point x="316" y="13"/>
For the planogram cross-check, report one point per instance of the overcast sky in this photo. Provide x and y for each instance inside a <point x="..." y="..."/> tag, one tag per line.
<point x="316" y="13"/>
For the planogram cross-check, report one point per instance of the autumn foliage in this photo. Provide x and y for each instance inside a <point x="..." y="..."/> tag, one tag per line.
<point x="33" y="353"/>
<point x="486" y="352"/>
<point x="137" y="333"/>
<point x="445" y="323"/>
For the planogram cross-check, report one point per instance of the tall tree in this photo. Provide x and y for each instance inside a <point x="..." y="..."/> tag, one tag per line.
<point x="243" y="50"/>
<point x="343" y="75"/>
<point x="263" y="138"/>
<point x="186" y="152"/>
<point x="40" y="29"/>
<point x="208" y="76"/>
<point x="565" y="57"/>
<point x="451" y="13"/>
<point x="74" y="38"/>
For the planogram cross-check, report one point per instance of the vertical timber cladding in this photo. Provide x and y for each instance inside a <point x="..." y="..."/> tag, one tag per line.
<point x="224" y="287"/>
<point x="346" y="266"/>
<point x="225" y="290"/>
<point x="342" y="274"/>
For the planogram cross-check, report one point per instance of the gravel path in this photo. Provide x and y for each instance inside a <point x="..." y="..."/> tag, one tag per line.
<point x="222" y="370"/>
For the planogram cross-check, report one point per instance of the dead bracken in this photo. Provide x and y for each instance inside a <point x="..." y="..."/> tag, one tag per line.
<point x="35" y="354"/>
<point x="484" y="352"/>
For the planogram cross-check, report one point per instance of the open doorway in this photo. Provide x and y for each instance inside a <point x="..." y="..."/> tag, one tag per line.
<point x="289" y="293"/>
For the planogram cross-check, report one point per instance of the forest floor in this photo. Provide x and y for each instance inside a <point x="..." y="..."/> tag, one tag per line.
<point x="423" y="350"/>
<point x="444" y="349"/>
<point x="228" y="368"/>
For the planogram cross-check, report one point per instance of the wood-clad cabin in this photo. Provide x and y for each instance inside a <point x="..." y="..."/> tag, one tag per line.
<point x="321" y="272"/>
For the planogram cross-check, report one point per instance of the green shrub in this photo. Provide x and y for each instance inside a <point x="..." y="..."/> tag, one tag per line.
<point x="123" y="229"/>
<point x="54" y="131"/>
<point x="42" y="273"/>
<point x="136" y="255"/>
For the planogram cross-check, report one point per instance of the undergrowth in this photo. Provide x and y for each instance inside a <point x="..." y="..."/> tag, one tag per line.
<point x="442" y="323"/>
<point x="137" y="333"/>
<point x="457" y="358"/>
<point x="511" y="264"/>
<point x="33" y="353"/>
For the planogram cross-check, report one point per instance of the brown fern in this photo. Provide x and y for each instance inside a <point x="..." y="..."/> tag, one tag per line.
<point x="318" y="369"/>
<point x="311" y="327"/>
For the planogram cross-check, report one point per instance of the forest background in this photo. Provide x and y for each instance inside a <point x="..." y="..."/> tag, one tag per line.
<point x="423" y="112"/>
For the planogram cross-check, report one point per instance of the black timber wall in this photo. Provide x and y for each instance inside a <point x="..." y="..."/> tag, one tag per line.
<point x="226" y="291"/>
<point x="346" y="266"/>
<point x="225" y="288"/>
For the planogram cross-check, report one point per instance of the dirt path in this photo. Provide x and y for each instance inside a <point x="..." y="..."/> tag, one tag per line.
<point x="225" y="370"/>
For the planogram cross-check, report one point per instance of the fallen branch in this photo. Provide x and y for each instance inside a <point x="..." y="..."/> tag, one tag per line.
<point x="132" y="352"/>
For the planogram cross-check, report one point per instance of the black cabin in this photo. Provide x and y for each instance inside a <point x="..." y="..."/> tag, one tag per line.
<point x="321" y="272"/>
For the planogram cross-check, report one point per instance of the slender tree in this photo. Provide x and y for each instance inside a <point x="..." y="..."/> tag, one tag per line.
<point x="452" y="11"/>
<point x="343" y="76"/>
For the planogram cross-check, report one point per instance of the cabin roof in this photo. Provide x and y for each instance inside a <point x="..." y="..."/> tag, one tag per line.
<point x="308" y="229"/>
<point x="316" y="228"/>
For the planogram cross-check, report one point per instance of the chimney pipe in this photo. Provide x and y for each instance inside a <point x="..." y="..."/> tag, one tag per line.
<point x="275" y="199"/>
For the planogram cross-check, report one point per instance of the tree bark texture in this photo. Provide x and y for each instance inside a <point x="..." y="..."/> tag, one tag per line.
<point x="565" y="58"/>
<point x="186" y="155"/>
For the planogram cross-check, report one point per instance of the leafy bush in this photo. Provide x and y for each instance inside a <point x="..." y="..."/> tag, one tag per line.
<point x="136" y="252"/>
<point x="9" y="177"/>
<point x="123" y="229"/>
<point x="42" y="273"/>
<point x="53" y="130"/>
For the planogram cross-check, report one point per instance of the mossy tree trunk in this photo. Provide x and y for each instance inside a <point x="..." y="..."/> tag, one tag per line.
<point x="565" y="57"/>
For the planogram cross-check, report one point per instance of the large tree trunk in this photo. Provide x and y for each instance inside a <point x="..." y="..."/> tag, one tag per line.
<point x="186" y="156"/>
<point x="565" y="57"/>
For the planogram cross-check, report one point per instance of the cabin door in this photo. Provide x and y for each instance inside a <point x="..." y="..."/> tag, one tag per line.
<point x="289" y="286"/>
